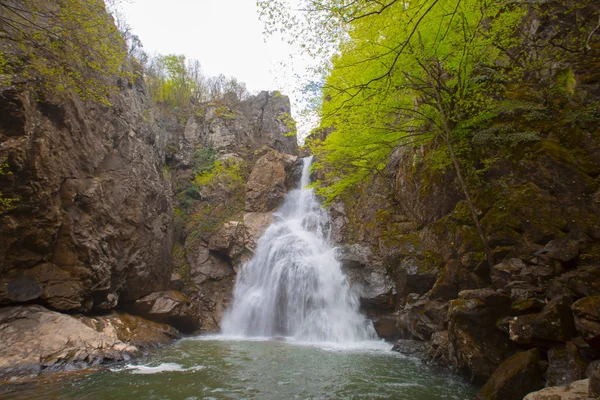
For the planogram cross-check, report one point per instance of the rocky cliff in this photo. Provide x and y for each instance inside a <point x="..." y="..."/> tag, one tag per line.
<point x="412" y="250"/>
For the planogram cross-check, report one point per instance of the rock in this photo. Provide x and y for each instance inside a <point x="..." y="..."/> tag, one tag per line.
<point x="583" y="282"/>
<point x="575" y="391"/>
<point x="414" y="276"/>
<point x="410" y="348"/>
<point x="563" y="250"/>
<point x="594" y="385"/>
<point x="170" y="307"/>
<point x="475" y="344"/>
<point x="592" y="368"/>
<point x="505" y="272"/>
<point x="254" y="226"/>
<point x="422" y="318"/>
<point x="205" y="264"/>
<point x="587" y="319"/>
<point x="34" y="339"/>
<point x="228" y="240"/>
<point x="94" y="216"/>
<point x="554" y="324"/>
<point x="266" y="188"/>
<point x="368" y="277"/>
<point x="565" y="365"/>
<point x="514" y="378"/>
<point x="385" y="326"/>
<point x="438" y="351"/>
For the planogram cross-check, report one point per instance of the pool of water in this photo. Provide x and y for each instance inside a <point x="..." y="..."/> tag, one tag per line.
<point x="213" y="367"/>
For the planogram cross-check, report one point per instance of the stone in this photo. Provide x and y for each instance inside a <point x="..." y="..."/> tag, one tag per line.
<point x="205" y="264"/>
<point x="438" y="350"/>
<point x="34" y="339"/>
<point x="254" y="226"/>
<point x="554" y="324"/>
<point x="576" y="391"/>
<point x="506" y="271"/>
<point x="476" y="345"/>
<point x="587" y="319"/>
<point x="422" y="318"/>
<point x="564" y="250"/>
<point x="385" y="326"/>
<point x="95" y="210"/>
<point x="266" y="186"/>
<point x="565" y="365"/>
<point x="170" y="307"/>
<point x="410" y="348"/>
<point x="514" y="378"/>
<point x="583" y="282"/>
<point x="414" y="276"/>
<point x="594" y="385"/>
<point x="228" y="240"/>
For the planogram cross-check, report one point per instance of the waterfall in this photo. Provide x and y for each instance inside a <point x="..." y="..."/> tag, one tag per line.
<point x="294" y="286"/>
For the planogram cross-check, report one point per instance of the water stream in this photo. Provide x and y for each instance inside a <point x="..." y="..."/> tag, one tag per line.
<point x="293" y="332"/>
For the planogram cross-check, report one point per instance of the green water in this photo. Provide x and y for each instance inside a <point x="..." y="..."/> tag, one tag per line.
<point x="210" y="368"/>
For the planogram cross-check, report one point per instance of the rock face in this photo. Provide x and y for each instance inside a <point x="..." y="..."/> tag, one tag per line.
<point x="576" y="391"/>
<point x="170" y="307"/>
<point x="516" y="377"/>
<point x="93" y="224"/>
<point x="34" y="339"/>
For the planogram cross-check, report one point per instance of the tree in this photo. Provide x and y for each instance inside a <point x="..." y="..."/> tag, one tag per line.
<point x="64" y="45"/>
<point x="424" y="71"/>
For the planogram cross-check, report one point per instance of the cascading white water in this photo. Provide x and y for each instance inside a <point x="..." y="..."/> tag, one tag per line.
<point x="294" y="286"/>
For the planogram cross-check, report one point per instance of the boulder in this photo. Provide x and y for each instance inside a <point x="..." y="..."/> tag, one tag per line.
<point x="170" y="307"/>
<point x="554" y="324"/>
<point x="228" y="240"/>
<point x="594" y="385"/>
<point x="565" y="365"/>
<point x="438" y="351"/>
<point x="475" y="344"/>
<point x="414" y="276"/>
<point x="422" y="318"/>
<point x="385" y="326"/>
<point x="34" y="339"/>
<point x="583" y="282"/>
<point x="410" y="348"/>
<point x="514" y="378"/>
<point x="587" y="319"/>
<point x="205" y="264"/>
<point x="255" y="225"/>
<point x="576" y="391"/>
<point x="266" y="186"/>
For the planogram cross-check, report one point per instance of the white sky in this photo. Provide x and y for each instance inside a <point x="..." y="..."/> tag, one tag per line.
<point x="224" y="35"/>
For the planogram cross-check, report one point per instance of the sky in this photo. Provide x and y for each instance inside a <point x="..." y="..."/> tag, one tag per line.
<point x="225" y="36"/>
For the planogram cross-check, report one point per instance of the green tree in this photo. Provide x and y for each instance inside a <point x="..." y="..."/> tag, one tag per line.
<point x="60" y="46"/>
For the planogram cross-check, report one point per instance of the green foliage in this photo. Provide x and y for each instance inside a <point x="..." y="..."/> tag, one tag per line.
<point x="64" y="45"/>
<point x="204" y="160"/>
<point x="288" y="121"/>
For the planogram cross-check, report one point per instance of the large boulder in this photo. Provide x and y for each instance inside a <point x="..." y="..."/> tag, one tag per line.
<point x="554" y="324"/>
<point x="565" y="365"/>
<point x="266" y="186"/>
<point x="475" y="343"/>
<point x="205" y="264"/>
<point x="587" y="319"/>
<point x="514" y="378"/>
<point x="255" y="225"/>
<point x="170" y="307"/>
<point x="34" y="339"/>
<point x="575" y="391"/>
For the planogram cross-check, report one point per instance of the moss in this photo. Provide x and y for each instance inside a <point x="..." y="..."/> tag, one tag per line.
<point x="182" y="267"/>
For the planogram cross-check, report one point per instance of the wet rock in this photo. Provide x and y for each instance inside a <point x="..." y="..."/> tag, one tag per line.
<point x="254" y="226"/>
<point x="34" y="339"/>
<point x="575" y="391"/>
<point x="514" y="378"/>
<point x="438" y="350"/>
<point x="266" y="187"/>
<point x="410" y="348"/>
<point x="554" y="324"/>
<point x="422" y="318"/>
<point x="385" y="326"/>
<point x="475" y="344"/>
<point x="170" y="307"/>
<point x="566" y="365"/>
<point x="587" y="319"/>
<point x="368" y="277"/>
